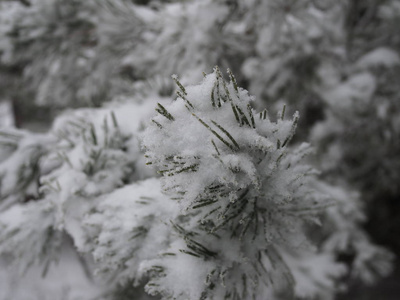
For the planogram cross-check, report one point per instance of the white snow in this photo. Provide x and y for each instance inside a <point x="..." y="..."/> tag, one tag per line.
<point x="384" y="57"/>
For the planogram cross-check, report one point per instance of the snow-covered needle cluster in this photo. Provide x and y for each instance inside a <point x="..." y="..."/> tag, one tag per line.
<point x="247" y="198"/>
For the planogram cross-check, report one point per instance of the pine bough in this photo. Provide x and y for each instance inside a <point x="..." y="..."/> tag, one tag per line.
<point x="236" y="214"/>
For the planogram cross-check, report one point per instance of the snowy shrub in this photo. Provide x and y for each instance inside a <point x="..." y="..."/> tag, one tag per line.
<point x="238" y="209"/>
<point x="363" y="115"/>
<point x="291" y="43"/>
<point x="344" y="236"/>
<point x="74" y="54"/>
<point x="186" y="37"/>
<point x="70" y="53"/>
<point x="52" y="40"/>
<point x="358" y="142"/>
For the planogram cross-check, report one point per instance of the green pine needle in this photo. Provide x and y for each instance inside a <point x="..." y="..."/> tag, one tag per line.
<point x="162" y="111"/>
<point x="233" y="80"/>
<point x="226" y="133"/>
<point x="114" y="119"/>
<point x="175" y="78"/>
<point x="283" y="112"/>
<point x="93" y="134"/>
<point x="212" y="94"/>
<point x="184" y="98"/>
<point x="189" y="253"/>
<point x="213" y="132"/>
<point x="250" y="111"/>
<point x="158" y="124"/>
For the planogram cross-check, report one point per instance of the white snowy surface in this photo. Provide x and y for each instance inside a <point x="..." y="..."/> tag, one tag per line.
<point x="64" y="281"/>
<point x="379" y="57"/>
<point x="140" y="232"/>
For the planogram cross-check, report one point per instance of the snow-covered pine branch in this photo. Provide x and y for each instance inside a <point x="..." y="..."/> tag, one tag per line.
<point x="127" y="227"/>
<point x="20" y="169"/>
<point x="247" y="199"/>
<point x="92" y="153"/>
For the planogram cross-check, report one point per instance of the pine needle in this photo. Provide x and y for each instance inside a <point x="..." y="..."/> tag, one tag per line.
<point x="162" y="110"/>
